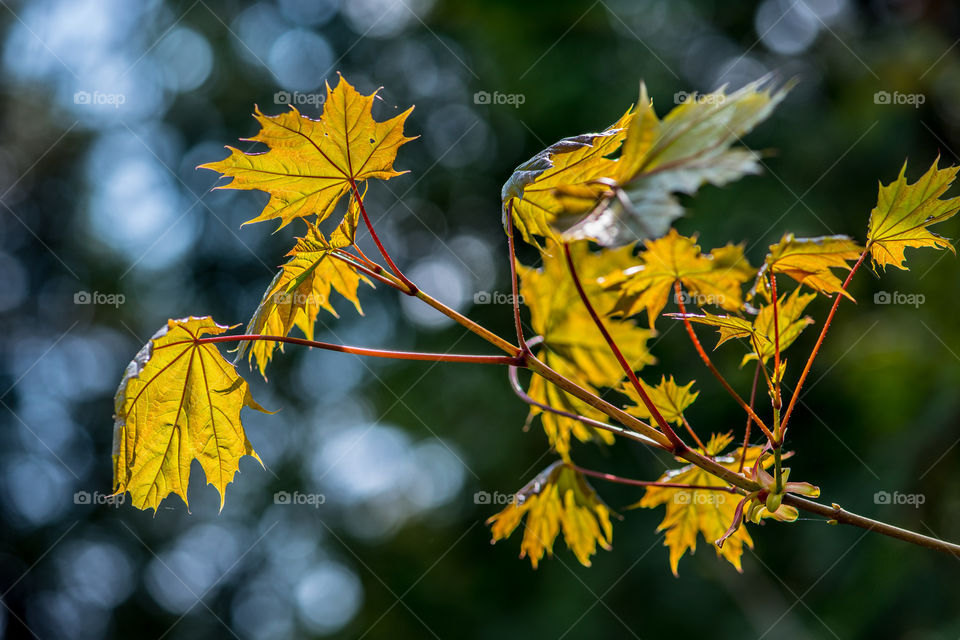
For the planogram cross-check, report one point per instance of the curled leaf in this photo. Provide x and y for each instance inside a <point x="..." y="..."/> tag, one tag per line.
<point x="574" y="189"/>
<point x="572" y="164"/>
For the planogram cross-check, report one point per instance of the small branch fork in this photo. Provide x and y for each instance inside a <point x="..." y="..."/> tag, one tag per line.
<point x="716" y="374"/>
<point x="820" y="338"/>
<point x="628" y="426"/>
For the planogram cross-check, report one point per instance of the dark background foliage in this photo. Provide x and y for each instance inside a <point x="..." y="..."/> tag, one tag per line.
<point x="100" y="195"/>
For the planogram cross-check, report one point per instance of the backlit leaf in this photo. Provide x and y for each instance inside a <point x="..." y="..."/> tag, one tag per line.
<point x="904" y="211"/>
<point x="179" y="400"/>
<point x="790" y="319"/>
<point x="649" y="284"/>
<point x="311" y="163"/>
<point x="706" y="512"/>
<point x="809" y="261"/>
<point x="759" y="333"/>
<point x="302" y="287"/>
<point x="668" y="397"/>
<point x="559" y="498"/>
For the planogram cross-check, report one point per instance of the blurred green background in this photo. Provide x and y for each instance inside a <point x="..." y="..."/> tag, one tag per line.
<point x="107" y="106"/>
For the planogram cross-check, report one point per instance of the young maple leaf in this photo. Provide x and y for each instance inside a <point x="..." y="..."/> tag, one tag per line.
<point x="675" y="257"/>
<point x="809" y="261"/>
<point x="760" y="331"/>
<point x="574" y="190"/>
<point x="904" y="211"/>
<point x="302" y="287"/>
<point x="179" y="400"/>
<point x="572" y="344"/>
<point x="702" y="511"/>
<point x="311" y="164"/>
<point x="559" y="498"/>
<point x="668" y="397"/>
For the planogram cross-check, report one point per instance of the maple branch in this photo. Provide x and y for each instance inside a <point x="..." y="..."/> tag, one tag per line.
<point x="363" y="256"/>
<point x="819" y="343"/>
<point x="411" y="289"/>
<point x="838" y="515"/>
<point x="631" y="422"/>
<point x="524" y="348"/>
<point x="692" y="433"/>
<point x="746" y="435"/>
<point x="378" y="272"/>
<point x="648" y="483"/>
<point x="833" y="512"/>
<point x="363" y="351"/>
<point x="596" y="424"/>
<point x="678" y="444"/>
<point x="713" y="369"/>
<point x="776" y="348"/>
<point x="372" y="270"/>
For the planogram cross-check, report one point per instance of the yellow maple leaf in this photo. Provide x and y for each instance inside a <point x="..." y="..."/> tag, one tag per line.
<point x="302" y="287"/>
<point x="311" y="163"/>
<point x="809" y="261"/>
<point x="904" y="211"/>
<point x="649" y="285"/>
<point x="759" y="332"/>
<point x="572" y="344"/>
<point x="790" y="320"/>
<point x="706" y="512"/>
<point x="179" y="400"/>
<point x="558" y="499"/>
<point x="668" y="397"/>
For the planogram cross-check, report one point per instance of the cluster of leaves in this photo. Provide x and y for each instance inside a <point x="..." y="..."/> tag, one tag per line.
<point x="599" y="208"/>
<point x="617" y="187"/>
<point x="171" y="410"/>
